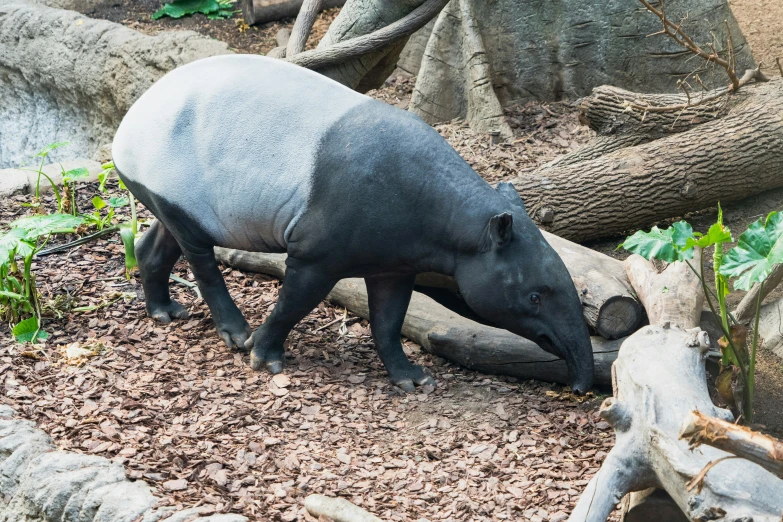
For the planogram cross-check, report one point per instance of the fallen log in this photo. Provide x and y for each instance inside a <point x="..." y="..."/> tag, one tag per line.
<point x="659" y="378"/>
<point x="747" y="307"/>
<point x="445" y="333"/>
<point x="771" y="327"/>
<point x="751" y="445"/>
<point x="608" y="302"/>
<point x="620" y="184"/>
<point x="262" y="11"/>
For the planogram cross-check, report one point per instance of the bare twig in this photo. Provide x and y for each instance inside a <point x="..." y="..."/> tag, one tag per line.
<point x="780" y="67"/>
<point x="678" y="35"/>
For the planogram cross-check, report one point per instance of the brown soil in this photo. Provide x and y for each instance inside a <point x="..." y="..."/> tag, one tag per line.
<point x="191" y="418"/>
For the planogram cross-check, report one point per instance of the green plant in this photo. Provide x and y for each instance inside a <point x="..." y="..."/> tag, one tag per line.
<point x="129" y="230"/>
<point x="43" y="154"/>
<point x="68" y="201"/>
<point x="18" y="290"/>
<point x="759" y="248"/>
<point x="212" y="9"/>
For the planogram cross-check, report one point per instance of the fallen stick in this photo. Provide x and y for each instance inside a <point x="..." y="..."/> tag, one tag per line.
<point x="337" y="509"/>
<point x="659" y="378"/>
<point x="756" y="447"/>
<point x="445" y="333"/>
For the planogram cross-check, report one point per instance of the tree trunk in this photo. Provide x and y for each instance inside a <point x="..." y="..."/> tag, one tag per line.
<point x="445" y="333"/>
<point x="659" y="379"/>
<point x="556" y="49"/>
<point x="262" y="11"/>
<point x="604" y="190"/>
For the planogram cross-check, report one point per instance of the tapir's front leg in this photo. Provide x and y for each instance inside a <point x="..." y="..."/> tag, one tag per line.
<point x="389" y="297"/>
<point x="231" y="325"/>
<point x="303" y="288"/>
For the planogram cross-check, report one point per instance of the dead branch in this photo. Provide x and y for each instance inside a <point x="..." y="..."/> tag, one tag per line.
<point x="374" y="41"/>
<point x="303" y="26"/>
<point x="743" y="442"/>
<point x="675" y="32"/>
<point x="747" y="306"/>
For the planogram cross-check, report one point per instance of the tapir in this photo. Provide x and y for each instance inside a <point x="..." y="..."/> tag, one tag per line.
<point x="256" y="154"/>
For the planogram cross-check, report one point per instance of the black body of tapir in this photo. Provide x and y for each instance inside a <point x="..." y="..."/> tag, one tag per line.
<point x="256" y="154"/>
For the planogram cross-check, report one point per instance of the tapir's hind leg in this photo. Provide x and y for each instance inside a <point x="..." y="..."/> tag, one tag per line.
<point x="388" y="298"/>
<point x="229" y="321"/>
<point x="156" y="253"/>
<point x="303" y="288"/>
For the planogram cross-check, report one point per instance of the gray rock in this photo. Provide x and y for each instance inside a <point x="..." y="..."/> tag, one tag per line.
<point x="67" y="77"/>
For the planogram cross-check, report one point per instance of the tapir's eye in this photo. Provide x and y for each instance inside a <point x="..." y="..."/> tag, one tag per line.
<point x="535" y="299"/>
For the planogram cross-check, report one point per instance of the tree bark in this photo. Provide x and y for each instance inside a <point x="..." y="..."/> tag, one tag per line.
<point x="756" y="447"/>
<point x="262" y="11"/>
<point x="659" y="378"/>
<point x="617" y="191"/>
<point x="445" y="333"/>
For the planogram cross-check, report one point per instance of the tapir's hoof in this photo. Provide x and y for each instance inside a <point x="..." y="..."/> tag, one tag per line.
<point x="259" y="360"/>
<point x="235" y="340"/>
<point x="416" y="376"/>
<point x="165" y="313"/>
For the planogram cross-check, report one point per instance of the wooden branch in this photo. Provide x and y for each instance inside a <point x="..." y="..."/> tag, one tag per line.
<point x="659" y="378"/>
<point x="303" y="26"/>
<point x="337" y="509"/>
<point x="445" y="333"/>
<point x="676" y="32"/>
<point x="747" y="307"/>
<point x="751" y="445"/>
<point x="367" y="43"/>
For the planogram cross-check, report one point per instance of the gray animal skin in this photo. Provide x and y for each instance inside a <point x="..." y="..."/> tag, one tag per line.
<point x="256" y="154"/>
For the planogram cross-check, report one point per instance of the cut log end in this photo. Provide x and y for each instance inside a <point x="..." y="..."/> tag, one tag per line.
<point x="619" y="315"/>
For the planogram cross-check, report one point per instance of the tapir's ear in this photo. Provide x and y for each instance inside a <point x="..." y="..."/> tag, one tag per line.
<point x="500" y="228"/>
<point x="508" y="191"/>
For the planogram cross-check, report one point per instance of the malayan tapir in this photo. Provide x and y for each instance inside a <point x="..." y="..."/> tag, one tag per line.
<point x="256" y="154"/>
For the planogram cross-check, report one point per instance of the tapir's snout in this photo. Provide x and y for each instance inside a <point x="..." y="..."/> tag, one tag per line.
<point x="578" y="354"/>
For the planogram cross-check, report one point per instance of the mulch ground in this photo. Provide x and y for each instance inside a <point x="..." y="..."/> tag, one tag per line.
<point x="193" y="420"/>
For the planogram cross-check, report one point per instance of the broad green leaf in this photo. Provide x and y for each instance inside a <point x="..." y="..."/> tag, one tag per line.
<point x="78" y="173"/>
<point x="180" y="8"/>
<point x="49" y="148"/>
<point x="12" y="295"/>
<point x="759" y="248"/>
<point x="98" y="203"/>
<point x="9" y="242"/>
<point x="108" y="166"/>
<point x="27" y="331"/>
<point x="44" y="225"/>
<point x="116" y="202"/>
<point x="667" y="245"/>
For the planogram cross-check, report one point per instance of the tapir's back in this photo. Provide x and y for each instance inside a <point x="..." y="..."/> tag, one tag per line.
<point x="231" y="142"/>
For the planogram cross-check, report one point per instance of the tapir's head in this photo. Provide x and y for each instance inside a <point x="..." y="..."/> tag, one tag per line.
<point x="517" y="281"/>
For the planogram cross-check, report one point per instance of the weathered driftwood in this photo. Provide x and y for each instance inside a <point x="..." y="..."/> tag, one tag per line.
<point x="751" y="445"/>
<point x="621" y="183"/>
<point x="262" y="11"/>
<point x="337" y="509"/>
<point x="659" y="378"/>
<point x="445" y="333"/>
